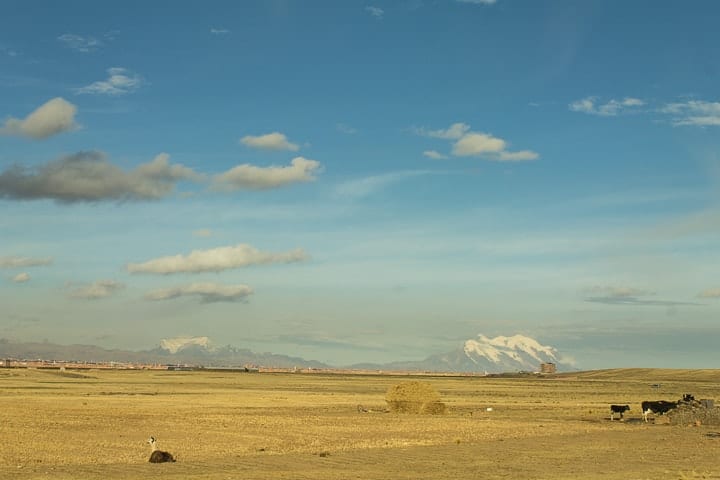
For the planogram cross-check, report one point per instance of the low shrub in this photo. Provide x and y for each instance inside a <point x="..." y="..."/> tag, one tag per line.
<point x="414" y="397"/>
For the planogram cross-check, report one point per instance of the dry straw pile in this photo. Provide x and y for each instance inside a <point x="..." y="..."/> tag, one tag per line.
<point x="414" y="397"/>
<point x="686" y="415"/>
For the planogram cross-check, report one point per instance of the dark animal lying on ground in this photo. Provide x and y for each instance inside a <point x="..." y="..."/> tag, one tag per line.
<point x="158" y="456"/>
<point x="618" y="409"/>
<point x="658" y="407"/>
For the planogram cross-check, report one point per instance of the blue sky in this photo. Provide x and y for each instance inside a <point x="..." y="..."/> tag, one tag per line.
<point x="363" y="181"/>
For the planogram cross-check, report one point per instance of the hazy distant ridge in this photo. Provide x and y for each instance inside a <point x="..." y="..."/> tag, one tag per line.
<point x="478" y="355"/>
<point x="192" y="353"/>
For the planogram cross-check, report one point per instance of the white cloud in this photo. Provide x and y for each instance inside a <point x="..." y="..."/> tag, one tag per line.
<point x="88" y="176"/>
<point x="376" y="12"/>
<point x="22" y="262"/>
<point x="53" y="117"/>
<point x="694" y="112"/>
<point x="96" y="290"/>
<point x="219" y="31"/>
<point x="493" y="148"/>
<point x="586" y="105"/>
<point x="80" y="43"/>
<point x="120" y="81"/>
<point x="478" y="2"/>
<point x="203" y="232"/>
<point x="216" y="260"/>
<point x="473" y="144"/>
<point x="613" y="107"/>
<point x="270" y="141"/>
<point x="434" y="155"/>
<point x="710" y="293"/>
<point x="208" y="292"/>
<point x="250" y="177"/>
<point x="21" y="277"/>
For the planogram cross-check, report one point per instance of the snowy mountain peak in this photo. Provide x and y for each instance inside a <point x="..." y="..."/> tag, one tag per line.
<point x="518" y="343"/>
<point x="173" y="345"/>
<point x="508" y="353"/>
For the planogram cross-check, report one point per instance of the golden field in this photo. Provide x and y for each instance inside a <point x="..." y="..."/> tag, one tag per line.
<point x="225" y="425"/>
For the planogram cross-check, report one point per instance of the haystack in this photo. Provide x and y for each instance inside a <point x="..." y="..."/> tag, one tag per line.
<point x="414" y="397"/>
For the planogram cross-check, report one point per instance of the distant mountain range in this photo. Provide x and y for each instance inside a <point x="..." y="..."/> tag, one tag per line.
<point x="482" y="354"/>
<point x="183" y="350"/>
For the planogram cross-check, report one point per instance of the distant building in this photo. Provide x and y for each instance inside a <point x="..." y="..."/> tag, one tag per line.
<point x="548" y="368"/>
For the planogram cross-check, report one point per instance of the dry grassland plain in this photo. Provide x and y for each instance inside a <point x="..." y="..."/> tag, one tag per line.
<point x="224" y="425"/>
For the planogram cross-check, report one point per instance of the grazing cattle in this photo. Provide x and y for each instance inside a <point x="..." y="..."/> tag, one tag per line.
<point x="618" y="409"/>
<point x="688" y="398"/>
<point x="658" y="407"/>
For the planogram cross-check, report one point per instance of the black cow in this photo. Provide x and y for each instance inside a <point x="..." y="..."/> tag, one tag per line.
<point x="618" y="409"/>
<point x="658" y="407"/>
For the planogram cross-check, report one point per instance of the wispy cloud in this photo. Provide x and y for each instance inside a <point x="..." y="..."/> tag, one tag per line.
<point x="344" y="128"/>
<point x="206" y="292"/>
<point x="219" y="31"/>
<point x="369" y="185"/>
<point x="22" y="262"/>
<point x="639" y="302"/>
<point x="474" y="144"/>
<point x="270" y="141"/>
<point x="203" y="232"/>
<point x="80" y="43"/>
<point x="120" y="81"/>
<point x="615" y="295"/>
<point x="617" y="291"/>
<point x="376" y="12"/>
<point x="694" y="112"/>
<point x="10" y="52"/>
<point x="478" y="2"/>
<point x="697" y="113"/>
<point x="51" y="118"/>
<point x="89" y="177"/>
<point x="251" y="177"/>
<point x="216" y="260"/>
<point x="21" y="277"/>
<point x="453" y="132"/>
<point x="592" y="106"/>
<point x="434" y="155"/>
<point x="96" y="290"/>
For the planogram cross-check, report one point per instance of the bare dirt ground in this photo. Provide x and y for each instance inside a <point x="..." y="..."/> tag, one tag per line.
<point x="223" y="425"/>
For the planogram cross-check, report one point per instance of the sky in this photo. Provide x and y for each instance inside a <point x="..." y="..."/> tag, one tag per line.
<point x="363" y="181"/>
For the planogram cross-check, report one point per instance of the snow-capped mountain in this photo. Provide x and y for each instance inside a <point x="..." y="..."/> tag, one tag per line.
<point x="491" y="355"/>
<point x="512" y="353"/>
<point x="174" y="345"/>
